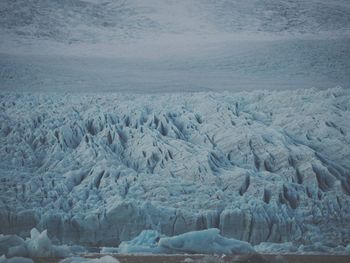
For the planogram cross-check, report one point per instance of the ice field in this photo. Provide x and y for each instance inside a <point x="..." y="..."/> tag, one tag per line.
<point x="98" y="169"/>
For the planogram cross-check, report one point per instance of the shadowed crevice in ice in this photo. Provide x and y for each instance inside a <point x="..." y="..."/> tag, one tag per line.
<point x="97" y="169"/>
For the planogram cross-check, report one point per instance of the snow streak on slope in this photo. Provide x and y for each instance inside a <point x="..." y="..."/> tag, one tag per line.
<point x="99" y="169"/>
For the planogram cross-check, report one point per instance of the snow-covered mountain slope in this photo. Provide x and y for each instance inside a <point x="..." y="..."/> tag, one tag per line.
<point x="105" y="20"/>
<point x="97" y="169"/>
<point x="167" y="45"/>
<point x="234" y="66"/>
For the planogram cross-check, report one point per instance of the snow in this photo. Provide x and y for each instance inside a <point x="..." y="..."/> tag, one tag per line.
<point x="229" y="65"/>
<point x="93" y="21"/>
<point x="98" y="169"/>
<point x="168" y="46"/>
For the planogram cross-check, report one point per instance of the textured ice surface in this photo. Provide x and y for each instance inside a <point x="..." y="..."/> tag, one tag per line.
<point x="3" y="259"/>
<point x="206" y="241"/>
<point x="97" y="169"/>
<point x="8" y="241"/>
<point x="146" y="242"/>
<point x="199" y="242"/>
<point x="38" y="245"/>
<point x="278" y="248"/>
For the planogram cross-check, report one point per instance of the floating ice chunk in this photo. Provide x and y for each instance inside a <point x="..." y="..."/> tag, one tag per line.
<point x="3" y="259"/>
<point x="38" y="245"/>
<point x="320" y="248"/>
<point x="317" y="247"/>
<point x="145" y="242"/>
<point x="76" y="249"/>
<point x="268" y="247"/>
<point x="105" y="259"/>
<point x="207" y="242"/>
<point x="18" y="251"/>
<point x="109" y="250"/>
<point x="8" y="241"/>
<point x="347" y="249"/>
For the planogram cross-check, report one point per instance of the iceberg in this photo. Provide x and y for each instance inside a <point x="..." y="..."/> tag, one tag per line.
<point x="207" y="241"/>
<point x="3" y="259"/>
<point x="38" y="245"/>
<point x="145" y="242"/>
<point x="8" y="241"/>
<point x="278" y="248"/>
<point x="105" y="259"/>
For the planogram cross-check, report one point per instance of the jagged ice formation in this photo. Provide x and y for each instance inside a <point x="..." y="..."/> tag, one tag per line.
<point x="97" y="169"/>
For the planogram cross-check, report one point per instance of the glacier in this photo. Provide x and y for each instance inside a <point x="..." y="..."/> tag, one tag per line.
<point x="99" y="168"/>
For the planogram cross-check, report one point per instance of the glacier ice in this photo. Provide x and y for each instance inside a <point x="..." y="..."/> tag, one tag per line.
<point x="105" y="259"/>
<point x="348" y="249"/>
<point x="8" y="241"/>
<point x="98" y="169"/>
<point x="205" y="241"/>
<point x="197" y="242"/>
<point x="267" y="247"/>
<point x="146" y="242"/>
<point x="38" y="245"/>
<point x="3" y="259"/>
